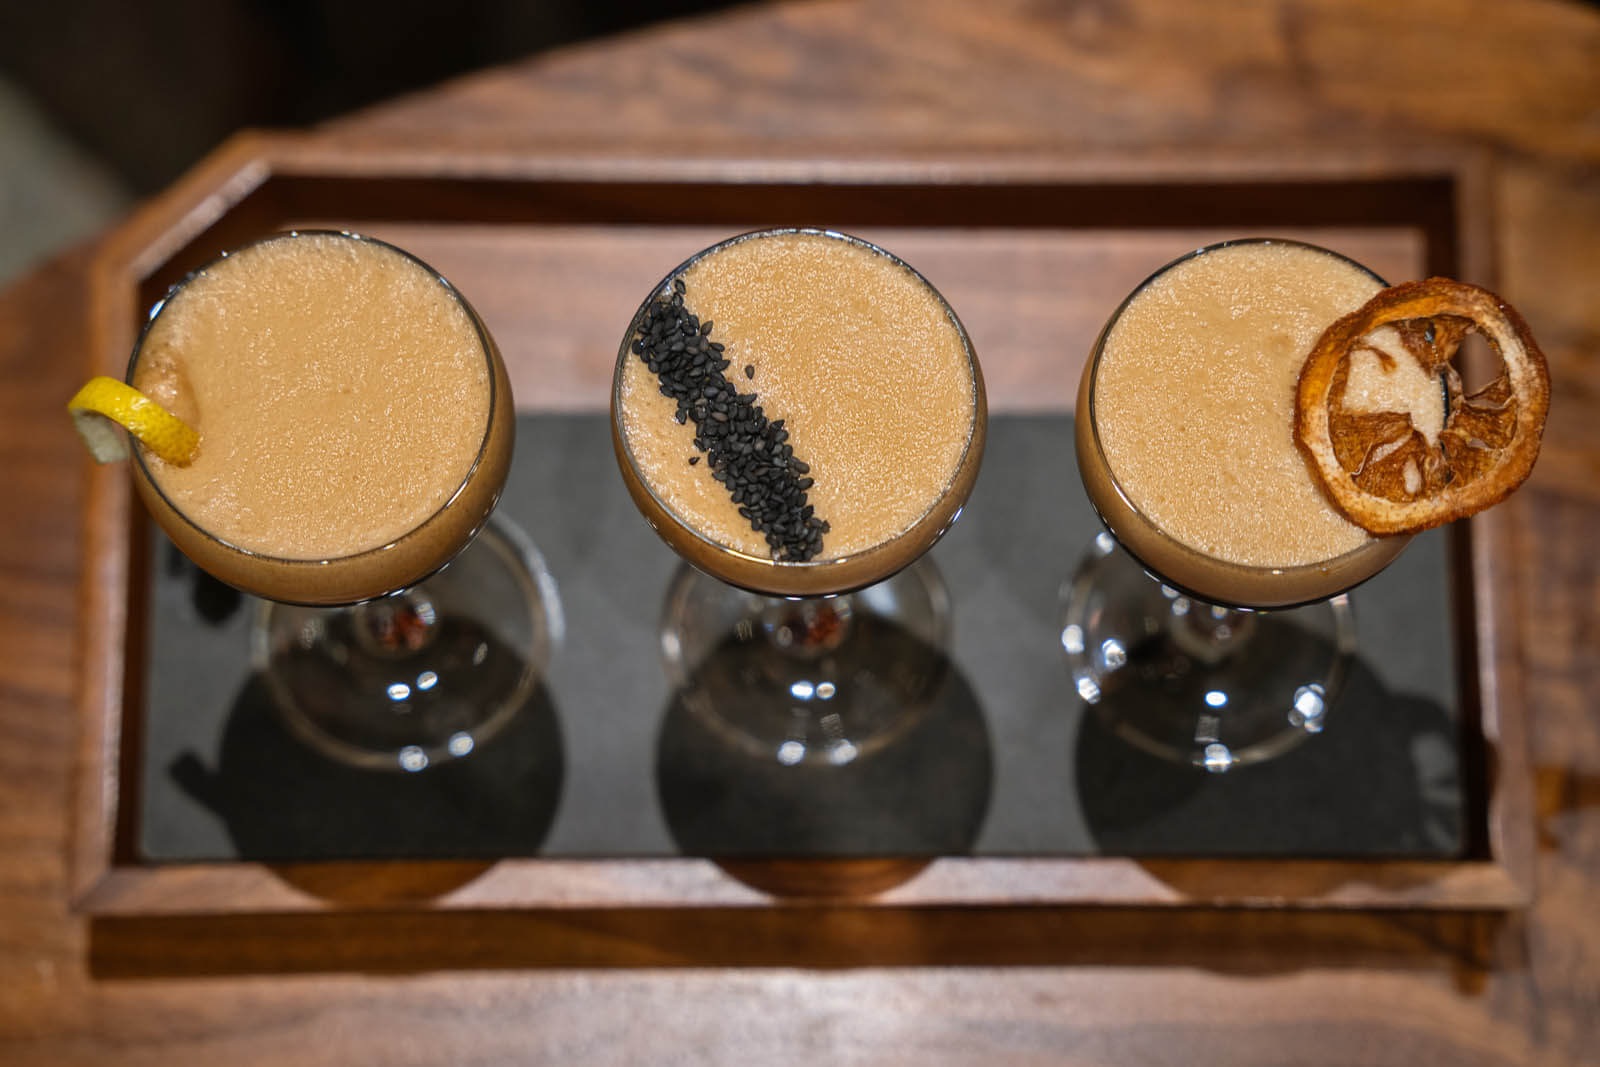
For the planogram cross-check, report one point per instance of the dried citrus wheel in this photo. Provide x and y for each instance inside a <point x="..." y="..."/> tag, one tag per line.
<point x="1384" y="472"/>
<point x="104" y="403"/>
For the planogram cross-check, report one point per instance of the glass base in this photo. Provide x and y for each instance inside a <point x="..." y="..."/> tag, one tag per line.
<point x="1196" y="683"/>
<point x="817" y="680"/>
<point x="426" y="675"/>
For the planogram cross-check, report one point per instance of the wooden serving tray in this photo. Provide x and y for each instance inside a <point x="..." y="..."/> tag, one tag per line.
<point x="556" y="252"/>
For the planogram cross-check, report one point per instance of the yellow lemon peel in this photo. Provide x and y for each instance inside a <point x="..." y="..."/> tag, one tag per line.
<point x="104" y="404"/>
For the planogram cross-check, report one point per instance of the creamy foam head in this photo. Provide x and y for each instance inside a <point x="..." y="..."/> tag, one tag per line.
<point x="340" y="390"/>
<point x="1194" y="401"/>
<point x="858" y="356"/>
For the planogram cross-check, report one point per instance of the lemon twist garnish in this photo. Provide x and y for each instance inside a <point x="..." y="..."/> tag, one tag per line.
<point x="104" y="403"/>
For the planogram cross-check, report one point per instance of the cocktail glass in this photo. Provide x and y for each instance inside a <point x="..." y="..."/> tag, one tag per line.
<point x="820" y="661"/>
<point x="406" y="654"/>
<point x="1191" y="657"/>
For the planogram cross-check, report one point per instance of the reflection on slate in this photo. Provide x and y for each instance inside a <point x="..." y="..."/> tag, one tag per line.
<point x="923" y="793"/>
<point x="994" y="768"/>
<point x="282" y="801"/>
<point x="1383" y="783"/>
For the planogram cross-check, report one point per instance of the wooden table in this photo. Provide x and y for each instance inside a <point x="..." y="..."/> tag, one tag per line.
<point x="823" y="81"/>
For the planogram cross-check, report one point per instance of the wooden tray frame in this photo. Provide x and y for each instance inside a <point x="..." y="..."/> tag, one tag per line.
<point x="1448" y="197"/>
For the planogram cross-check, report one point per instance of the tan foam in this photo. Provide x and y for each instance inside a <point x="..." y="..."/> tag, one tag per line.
<point x="857" y="355"/>
<point x="341" y="394"/>
<point x="1194" y="402"/>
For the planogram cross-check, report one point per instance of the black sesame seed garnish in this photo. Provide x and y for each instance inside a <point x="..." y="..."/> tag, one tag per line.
<point x="745" y="452"/>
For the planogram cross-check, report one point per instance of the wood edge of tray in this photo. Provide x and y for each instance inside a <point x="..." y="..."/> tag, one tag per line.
<point x="686" y="883"/>
<point x="105" y="881"/>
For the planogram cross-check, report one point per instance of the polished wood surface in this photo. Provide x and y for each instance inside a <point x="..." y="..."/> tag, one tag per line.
<point x="1166" y="84"/>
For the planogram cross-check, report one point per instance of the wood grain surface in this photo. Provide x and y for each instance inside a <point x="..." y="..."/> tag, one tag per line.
<point x="840" y="83"/>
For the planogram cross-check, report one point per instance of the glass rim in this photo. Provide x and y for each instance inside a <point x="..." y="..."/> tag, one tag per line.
<point x="485" y="346"/>
<point x="1098" y="350"/>
<point x="625" y="352"/>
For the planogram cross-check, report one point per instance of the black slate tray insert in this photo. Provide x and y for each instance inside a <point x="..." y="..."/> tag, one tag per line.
<point x="606" y="762"/>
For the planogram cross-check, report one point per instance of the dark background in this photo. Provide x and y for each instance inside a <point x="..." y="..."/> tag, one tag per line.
<point x="149" y="87"/>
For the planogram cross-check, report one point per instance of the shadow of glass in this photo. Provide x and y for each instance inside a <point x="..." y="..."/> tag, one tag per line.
<point x="818" y="828"/>
<point x="1383" y="779"/>
<point x="284" y="803"/>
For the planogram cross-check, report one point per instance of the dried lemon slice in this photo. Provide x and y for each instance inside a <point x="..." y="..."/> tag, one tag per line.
<point x="104" y="403"/>
<point x="1383" y="472"/>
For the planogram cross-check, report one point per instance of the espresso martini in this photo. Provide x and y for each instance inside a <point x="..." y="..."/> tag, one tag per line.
<point x="354" y="418"/>
<point x="817" y="425"/>
<point x="1186" y="416"/>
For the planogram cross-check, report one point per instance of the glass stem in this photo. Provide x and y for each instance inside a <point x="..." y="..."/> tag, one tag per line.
<point x="810" y="627"/>
<point x="1209" y="632"/>
<point x="395" y="626"/>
